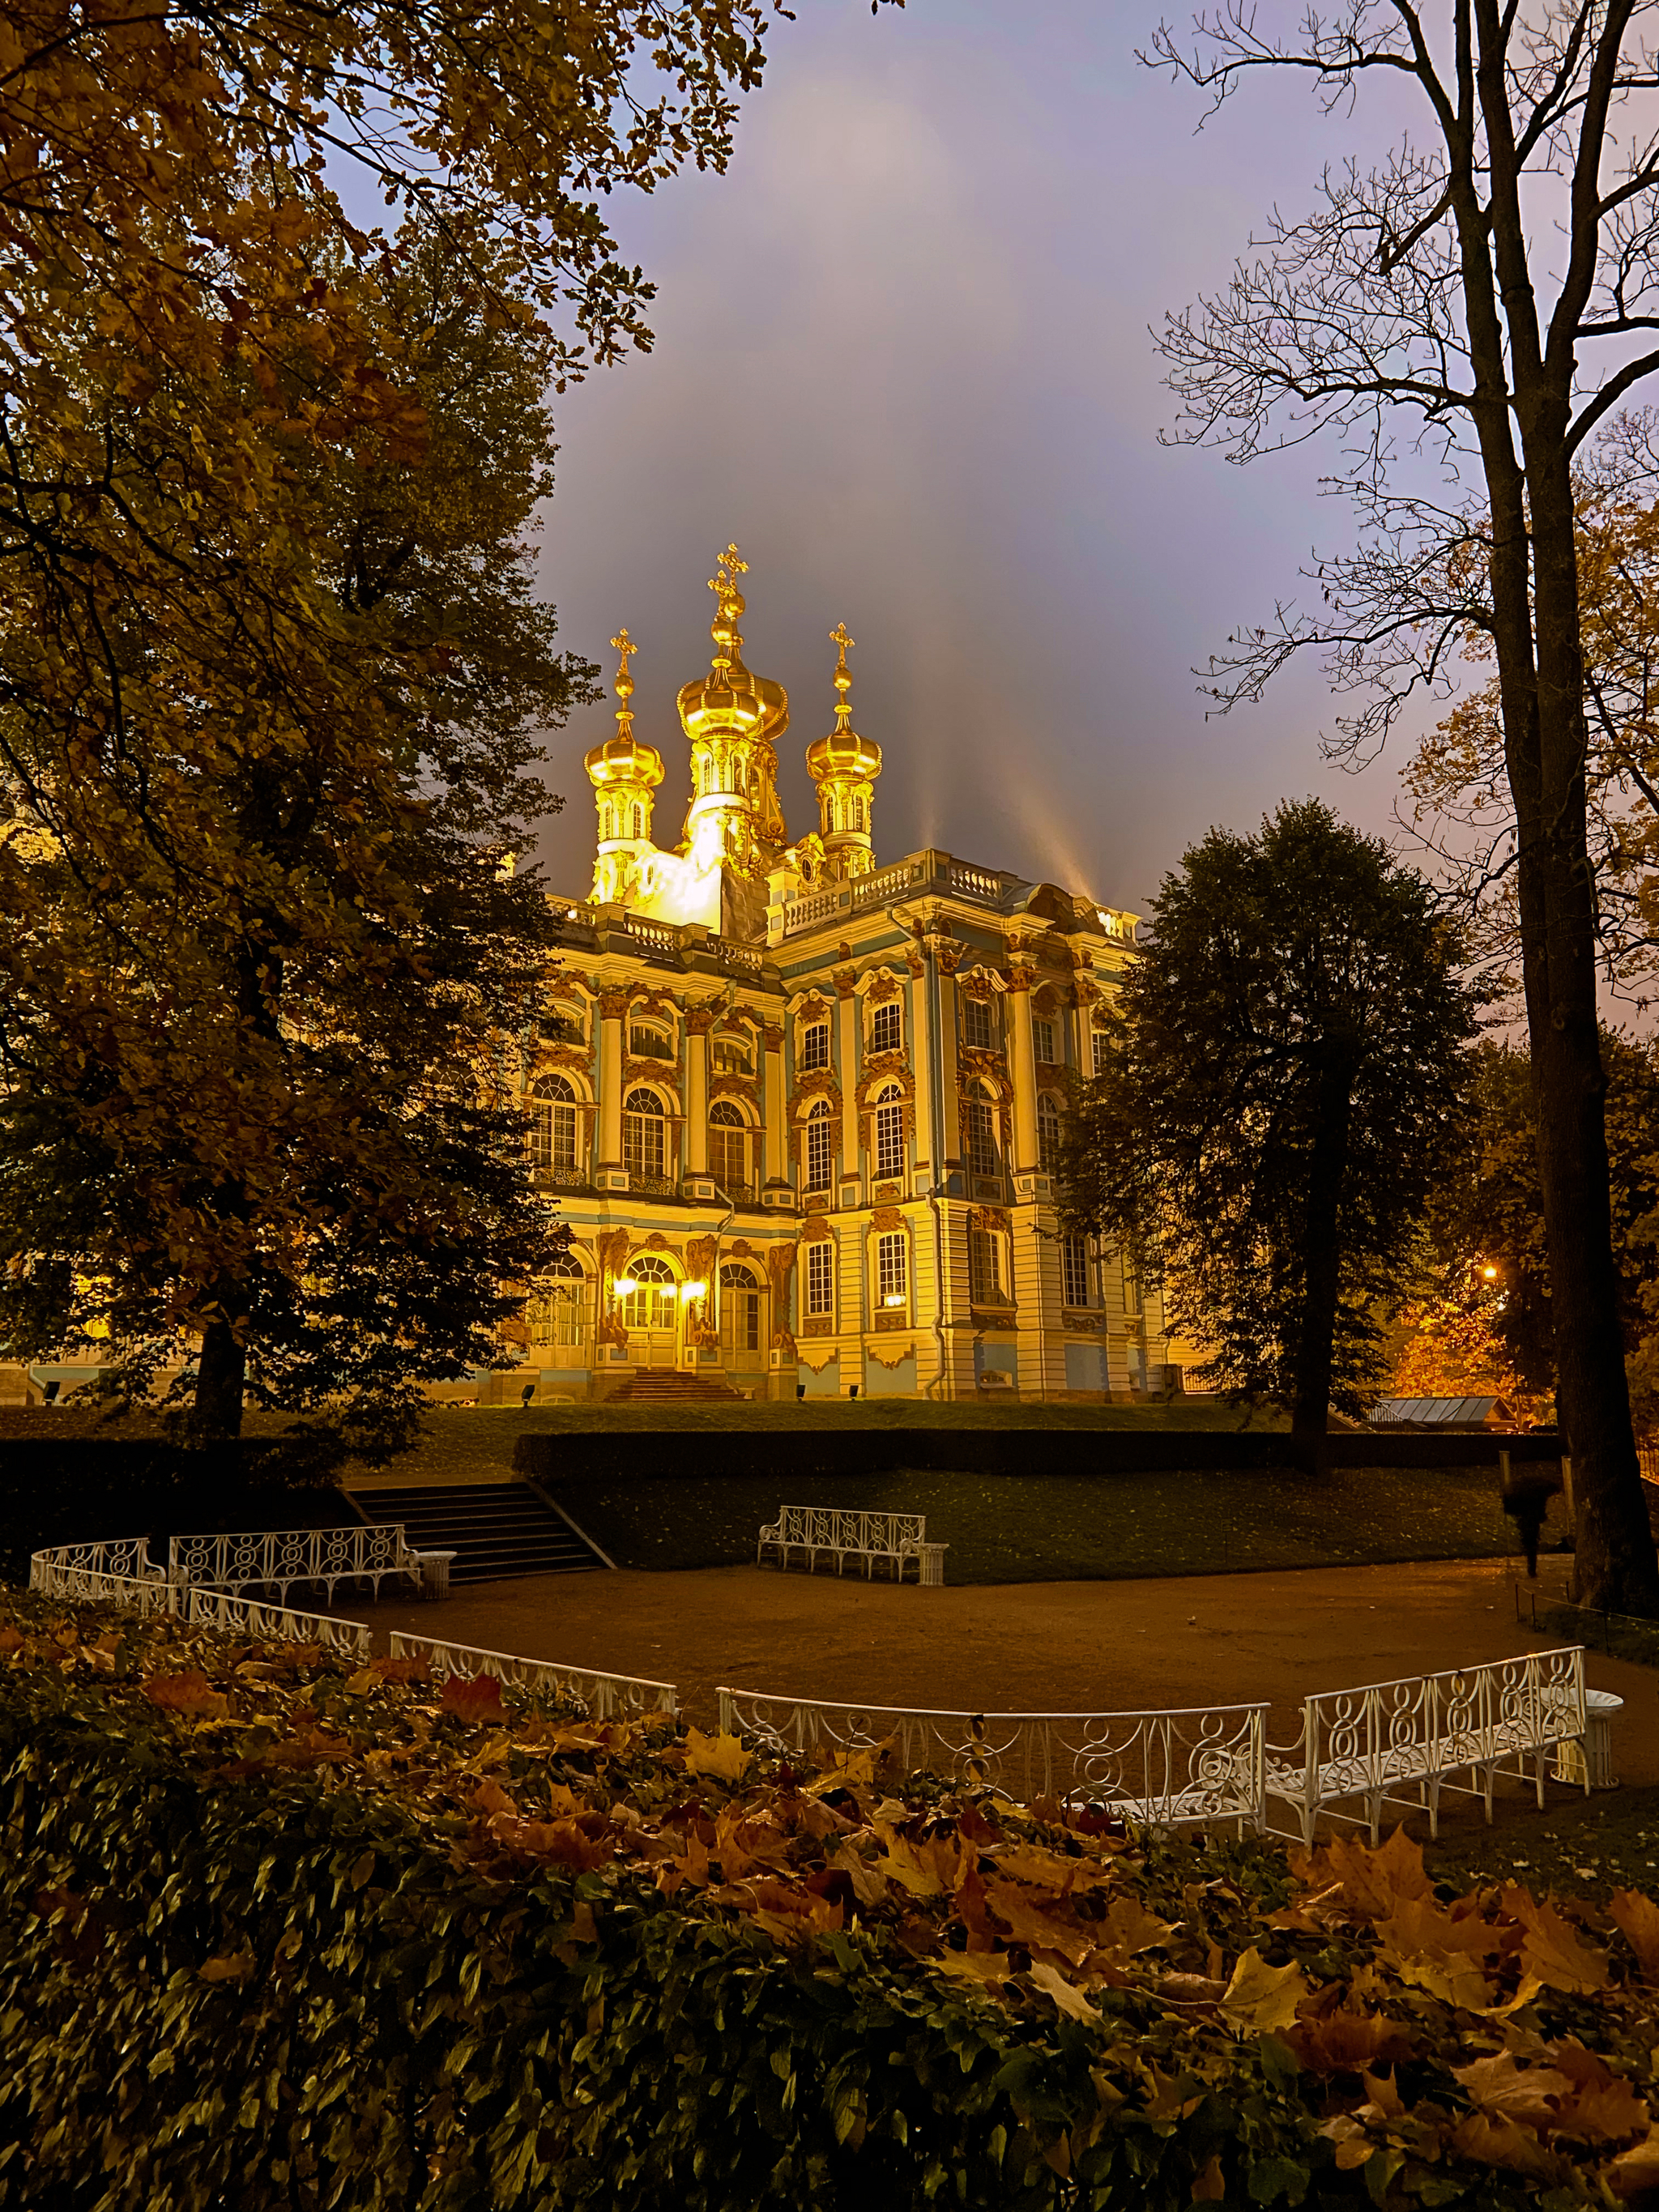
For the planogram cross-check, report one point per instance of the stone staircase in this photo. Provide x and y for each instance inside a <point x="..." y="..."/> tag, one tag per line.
<point x="670" y="1385"/>
<point x="495" y="1529"/>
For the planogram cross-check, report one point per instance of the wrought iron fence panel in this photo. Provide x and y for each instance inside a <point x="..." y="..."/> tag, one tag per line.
<point x="1179" y="1769"/>
<point x="115" y="1571"/>
<point x="603" y="1697"/>
<point x="248" y="1616"/>
<point x="277" y="1557"/>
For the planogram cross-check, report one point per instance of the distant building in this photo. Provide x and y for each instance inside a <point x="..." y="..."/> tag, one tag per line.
<point x="804" y="1113"/>
<point x="1443" y="1416"/>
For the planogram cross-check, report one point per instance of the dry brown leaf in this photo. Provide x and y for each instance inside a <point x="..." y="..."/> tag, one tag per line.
<point x="1637" y="1918"/>
<point x="187" y="1693"/>
<point x="1635" y="2171"/>
<point x="1374" y="1883"/>
<point x="1069" y="1998"/>
<point x="1551" y="1948"/>
<point x="1345" y="2042"/>
<point x="1054" y="1870"/>
<point x="1127" y="1927"/>
<point x="933" y="1868"/>
<point x="1209" y="2184"/>
<point x="1028" y="1922"/>
<point x="1456" y="1981"/>
<point x="1354" y="2142"/>
<point x="1500" y="2141"/>
<point x="234" y="1966"/>
<point x="989" y="1970"/>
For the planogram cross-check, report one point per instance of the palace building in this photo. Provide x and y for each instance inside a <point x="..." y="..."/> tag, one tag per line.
<point x="800" y="1108"/>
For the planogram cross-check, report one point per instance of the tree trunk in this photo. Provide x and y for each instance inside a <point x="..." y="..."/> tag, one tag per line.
<point x="221" y="1375"/>
<point x="1310" y="1413"/>
<point x="1615" y="1564"/>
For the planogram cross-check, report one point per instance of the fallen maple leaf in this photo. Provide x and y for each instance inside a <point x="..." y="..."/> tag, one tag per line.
<point x="473" y="1697"/>
<point x="1501" y="2085"/>
<point x="1209" y="2183"/>
<point x="721" y="1755"/>
<point x="1637" y="1918"/>
<point x="1260" y="1999"/>
<point x="1552" y="1949"/>
<point x="188" y="1693"/>
<point x="1500" y="2141"/>
<point x="1345" y="2042"/>
<point x="235" y="1967"/>
<point x="1635" y="2171"/>
<point x="1128" y="1928"/>
<point x="1069" y="1998"/>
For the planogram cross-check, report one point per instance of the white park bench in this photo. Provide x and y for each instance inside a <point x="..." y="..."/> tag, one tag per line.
<point x="1198" y="1768"/>
<point x="116" y="1570"/>
<point x="827" y="1531"/>
<point x="276" y="1558"/>
<point x="1402" y="1742"/>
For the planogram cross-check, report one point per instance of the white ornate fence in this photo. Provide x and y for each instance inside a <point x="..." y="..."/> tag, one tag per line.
<point x="276" y="1558"/>
<point x="117" y="1572"/>
<point x="604" y="1697"/>
<point x="1377" y="1742"/>
<point x="1173" y="1769"/>
<point x="247" y="1616"/>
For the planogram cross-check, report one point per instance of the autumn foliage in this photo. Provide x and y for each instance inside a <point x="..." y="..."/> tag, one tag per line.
<point x="413" y="1945"/>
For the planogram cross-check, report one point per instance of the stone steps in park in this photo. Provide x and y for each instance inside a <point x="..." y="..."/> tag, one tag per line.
<point x="495" y="1529"/>
<point x="671" y="1383"/>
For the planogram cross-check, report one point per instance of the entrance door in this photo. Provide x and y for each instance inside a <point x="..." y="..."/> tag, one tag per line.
<point x="743" y="1341"/>
<point x="651" y="1313"/>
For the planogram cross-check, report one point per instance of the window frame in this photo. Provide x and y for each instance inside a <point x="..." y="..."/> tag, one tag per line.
<point x="819" y="1280"/>
<point x="1048" y="1127"/>
<point x="1044" y="1044"/>
<point x="983" y="1158"/>
<point x="888" y="1016"/>
<point x="985" y="1281"/>
<point x="1076" y="1273"/>
<point x="637" y="1124"/>
<point x="978" y="1026"/>
<point x="892" y="1267"/>
<point x="887" y="1133"/>
<point x="818" y="1147"/>
<point x="552" y="1136"/>
<point x="813" y="1055"/>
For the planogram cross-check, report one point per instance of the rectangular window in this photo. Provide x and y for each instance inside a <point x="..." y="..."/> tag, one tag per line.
<point x="815" y="1045"/>
<point x="642" y="1147"/>
<point x="889" y="1139"/>
<point x="1134" y="1296"/>
<point x="984" y="1268"/>
<point x="1098" y="1044"/>
<point x="1043" y="1042"/>
<point x="976" y="1030"/>
<point x="982" y="1158"/>
<point x="821" y="1278"/>
<point x="728" y="1160"/>
<point x="820" y="1152"/>
<point x="886" y="1028"/>
<point x="892" y="1270"/>
<point x="1047" y="1134"/>
<point x="1074" y="1271"/>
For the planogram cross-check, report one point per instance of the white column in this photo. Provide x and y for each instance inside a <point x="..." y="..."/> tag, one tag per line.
<point x="1023" y="1070"/>
<point x="777" y="1122"/>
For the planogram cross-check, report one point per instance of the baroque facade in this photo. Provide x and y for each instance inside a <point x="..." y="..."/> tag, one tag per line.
<point x="800" y="1110"/>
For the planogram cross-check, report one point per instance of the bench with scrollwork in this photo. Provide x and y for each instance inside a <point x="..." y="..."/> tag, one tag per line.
<point x="815" y="1531"/>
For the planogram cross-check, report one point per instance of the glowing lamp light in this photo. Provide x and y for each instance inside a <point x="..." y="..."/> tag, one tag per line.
<point x="1490" y="1273"/>
<point x="625" y="1286"/>
<point x="894" y="1298"/>
<point x="692" y="1289"/>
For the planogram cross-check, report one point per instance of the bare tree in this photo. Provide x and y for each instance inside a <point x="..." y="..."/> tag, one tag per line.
<point x="1494" y="288"/>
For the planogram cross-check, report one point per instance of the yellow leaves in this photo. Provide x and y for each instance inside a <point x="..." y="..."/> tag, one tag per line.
<point x="234" y="1966"/>
<point x="1637" y="1918"/>
<point x="1066" y="1995"/>
<point x="1128" y="1928"/>
<point x="932" y="1868"/>
<point x="1635" y="2171"/>
<point x="1209" y="2184"/>
<point x="721" y="1756"/>
<point x="1260" y="1999"/>
<point x="189" y="1691"/>
<point x="1552" y="1949"/>
<point x="1374" y="1884"/>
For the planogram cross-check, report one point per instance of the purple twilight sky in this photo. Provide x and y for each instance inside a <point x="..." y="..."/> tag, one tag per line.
<point x="902" y="358"/>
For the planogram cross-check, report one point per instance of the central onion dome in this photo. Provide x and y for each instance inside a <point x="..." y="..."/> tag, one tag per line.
<point x="730" y="701"/>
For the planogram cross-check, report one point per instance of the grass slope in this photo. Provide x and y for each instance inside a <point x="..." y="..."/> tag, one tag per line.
<point x="1053" y="1526"/>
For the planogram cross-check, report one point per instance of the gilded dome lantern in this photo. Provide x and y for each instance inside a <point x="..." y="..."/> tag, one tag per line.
<point x="845" y="766"/>
<point x="733" y="720"/>
<point x="624" y="773"/>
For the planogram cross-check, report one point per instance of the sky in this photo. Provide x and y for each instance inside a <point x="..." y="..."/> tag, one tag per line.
<point x="902" y="358"/>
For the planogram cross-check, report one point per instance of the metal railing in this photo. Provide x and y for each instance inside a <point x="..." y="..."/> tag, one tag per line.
<point x="654" y="1186"/>
<point x="277" y="1557"/>
<point x="116" y="1571"/>
<point x="1195" y="1768"/>
<point x="249" y="1616"/>
<point x="1373" y="1742"/>
<point x="603" y="1697"/>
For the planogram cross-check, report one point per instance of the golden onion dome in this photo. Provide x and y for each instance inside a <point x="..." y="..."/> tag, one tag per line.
<point x="730" y="700"/>
<point x="843" y="752"/>
<point x="623" y="759"/>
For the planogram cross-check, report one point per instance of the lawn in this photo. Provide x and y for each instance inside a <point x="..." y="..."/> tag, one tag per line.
<point x="1057" y="1527"/>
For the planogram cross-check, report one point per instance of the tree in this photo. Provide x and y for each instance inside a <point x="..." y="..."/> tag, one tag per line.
<point x="1413" y="293"/>
<point x="262" y="958"/>
<point x="1282" y="1077"/>
<point x="1488" y="1257"/>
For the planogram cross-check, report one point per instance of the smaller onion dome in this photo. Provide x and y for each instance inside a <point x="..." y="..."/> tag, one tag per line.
<point x="623" y="759"/>
<point x="843" y="752"/>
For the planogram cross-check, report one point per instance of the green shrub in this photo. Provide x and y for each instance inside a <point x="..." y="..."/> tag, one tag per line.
<point x="279" y="1934"/>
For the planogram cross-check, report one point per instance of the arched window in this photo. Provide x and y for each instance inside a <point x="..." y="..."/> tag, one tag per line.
<point x="553" y="1126"/>
<point x="985" y="1266"/>
<point x="983" y="1156"/>
<point x="740" y="1315"/>
<point x="639" y="822"/>
<point x="820" y="1146"/>
<point x="642" y="1134"/>
<point x="890" y="1132"/>
<point x="650" y="1304"/>
<point x="858" y="814"/>
<point x="1048" y="1134"/>
<point x="728" y="1148"/>
<point x="892" y="1269"/>
<point x="556" y="1308"/>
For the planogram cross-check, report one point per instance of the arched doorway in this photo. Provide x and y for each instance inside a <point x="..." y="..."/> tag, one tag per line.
<point x="650" y="1312"/>
<point x="742" y="1334"/>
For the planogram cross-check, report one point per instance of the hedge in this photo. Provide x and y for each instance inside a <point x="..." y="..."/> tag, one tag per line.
<point x="276" y="1934"/>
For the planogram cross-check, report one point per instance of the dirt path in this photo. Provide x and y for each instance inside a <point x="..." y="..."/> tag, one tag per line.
<point x="1034" y="1647"/>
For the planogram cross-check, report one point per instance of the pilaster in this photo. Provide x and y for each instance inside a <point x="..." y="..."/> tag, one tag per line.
<point x="609" y="1172"/>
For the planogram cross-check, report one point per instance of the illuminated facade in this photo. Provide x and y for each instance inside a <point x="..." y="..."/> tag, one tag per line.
<point x="800" y="1111"/>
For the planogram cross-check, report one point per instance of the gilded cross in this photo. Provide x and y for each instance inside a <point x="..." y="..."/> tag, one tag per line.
<point x="625" y="645"/>
<point x="838" y="636"/>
